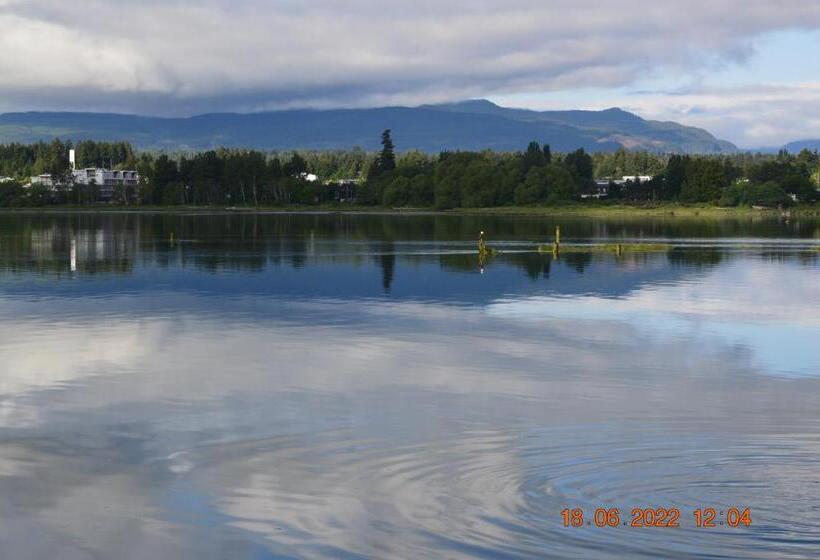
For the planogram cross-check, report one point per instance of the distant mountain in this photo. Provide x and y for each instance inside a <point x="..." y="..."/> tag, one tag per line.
<point x="800" y="145"/>
<point x="611" y="125"/>
<point x="470" y="125"/>
<point x="769" y="150"/>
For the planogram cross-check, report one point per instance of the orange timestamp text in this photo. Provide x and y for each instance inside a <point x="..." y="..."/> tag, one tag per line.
<point x="657" y="517"/>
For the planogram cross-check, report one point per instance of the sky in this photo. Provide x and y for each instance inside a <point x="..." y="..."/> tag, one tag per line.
<point x="747" y="70"/>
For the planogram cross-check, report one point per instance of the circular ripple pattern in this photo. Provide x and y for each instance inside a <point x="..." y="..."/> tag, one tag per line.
<point x="491" y="494"/>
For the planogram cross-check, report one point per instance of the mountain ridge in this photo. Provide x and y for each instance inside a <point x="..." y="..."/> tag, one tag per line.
<point x="467" y="125"/>
<point x="799" y="145"/>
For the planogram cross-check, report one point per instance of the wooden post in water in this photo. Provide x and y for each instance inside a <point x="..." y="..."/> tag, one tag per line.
<point x="556" y="247"/>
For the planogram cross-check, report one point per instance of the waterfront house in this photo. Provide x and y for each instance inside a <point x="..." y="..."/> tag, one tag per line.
<point x="343" y="190"/>
<point x="44" y="179"/>
<point x="309" y="177"/>
<point x="104" y="180"/>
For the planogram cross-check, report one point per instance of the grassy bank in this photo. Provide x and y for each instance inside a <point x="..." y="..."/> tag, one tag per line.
<point x="660" y="210"/>
<point x="571" y="210"/>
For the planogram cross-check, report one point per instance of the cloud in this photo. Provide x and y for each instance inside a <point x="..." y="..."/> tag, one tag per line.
<point x="754" y="115"/>
<point x="181" y="57"/>
<point x="330" y="440"/>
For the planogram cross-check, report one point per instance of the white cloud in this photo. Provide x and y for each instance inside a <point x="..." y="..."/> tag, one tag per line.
<point x="752" y="116"/>
<point x="180" y="57"/>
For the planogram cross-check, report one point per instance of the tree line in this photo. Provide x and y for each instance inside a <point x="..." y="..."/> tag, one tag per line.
<point x="534" y="176"/>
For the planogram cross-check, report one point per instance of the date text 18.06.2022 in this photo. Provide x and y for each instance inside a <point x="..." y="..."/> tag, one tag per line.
<point x="657" y="517"/>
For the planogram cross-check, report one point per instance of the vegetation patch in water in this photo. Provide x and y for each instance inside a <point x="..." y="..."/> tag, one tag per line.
<point x="616" y="248"/>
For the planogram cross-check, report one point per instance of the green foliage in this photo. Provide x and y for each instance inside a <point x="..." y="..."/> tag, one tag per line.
<point x="163" y="173"/>
<point x="112" y="155"/>
<point x="296" y="165"/>
<point x="769" y="171"/>
<point x="533" y="157"/>
<point x="769" y="194"/>
<point x="387" y="158"/>
<point x="22" y="161"/>
<point x="38" y="195"/>
<point x="396" y="193"/>
<point x="623" y="162"/>
<point x="580" y="165"/>
<point x="799" y="185"/>
<point x="675" y="176"/>
<point x="547" y="154"/>
<point x="548" y="184"/>
<point x="533" y="189"/>
<point x="12" y="194"/>
<point x="414" y="192"/>
<point x="534" y="176"/>
<point x="705" y="181"/>
<point x="478" y="184"/>
<point x="447" y="179"/>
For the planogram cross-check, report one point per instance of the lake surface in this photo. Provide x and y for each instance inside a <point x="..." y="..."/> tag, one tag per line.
<point x="361" y="386"/>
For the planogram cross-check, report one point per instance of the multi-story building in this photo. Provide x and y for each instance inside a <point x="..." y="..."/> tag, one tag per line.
<point x="104" y="180"/>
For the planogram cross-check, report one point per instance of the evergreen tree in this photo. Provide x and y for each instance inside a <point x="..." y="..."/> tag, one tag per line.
<point x="675" y="176"/>
<point x="533" y="157"/>
<point x="164" y="173"/>
<point x="387" y="157"/>
<point x="579" y="164"/>
<point x="705" y="181"/>
<point x="295" y="166"/>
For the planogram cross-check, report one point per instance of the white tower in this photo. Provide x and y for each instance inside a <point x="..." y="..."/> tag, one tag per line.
<point x="71" y="160"/>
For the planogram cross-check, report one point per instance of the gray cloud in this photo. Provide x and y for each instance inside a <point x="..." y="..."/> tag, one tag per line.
<point x="178" y="57"/>
<point x="753" y="115"/>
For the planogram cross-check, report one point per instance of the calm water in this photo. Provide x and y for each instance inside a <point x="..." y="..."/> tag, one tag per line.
<point x="325" y="386"/>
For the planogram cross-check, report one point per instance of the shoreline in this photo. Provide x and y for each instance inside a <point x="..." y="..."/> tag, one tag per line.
<point x="670" y="211"/>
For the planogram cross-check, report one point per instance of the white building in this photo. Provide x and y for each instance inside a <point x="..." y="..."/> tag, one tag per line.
<point x="637" y="178"/>
<point x="309" y="177"/>
<point x="624" y="180"/>
<point x="4" y="179"/>
<point x="45" y="179"/>
<point x="106" y="180"/>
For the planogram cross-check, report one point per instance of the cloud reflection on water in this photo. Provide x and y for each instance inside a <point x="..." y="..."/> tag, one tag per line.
<point x="213" y="413"/>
